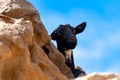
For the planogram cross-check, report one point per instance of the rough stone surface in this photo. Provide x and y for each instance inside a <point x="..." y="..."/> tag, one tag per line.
<point x="26" y="51"/>
<point x="100" y="76"/>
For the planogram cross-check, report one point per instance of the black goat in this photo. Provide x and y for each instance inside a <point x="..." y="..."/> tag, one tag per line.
<point x="65" y="36"/>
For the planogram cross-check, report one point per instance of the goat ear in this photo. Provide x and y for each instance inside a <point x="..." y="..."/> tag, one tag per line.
<point x="53" y="35"/>
<point x="56" y="33"/>
<point x="80" y="28"/>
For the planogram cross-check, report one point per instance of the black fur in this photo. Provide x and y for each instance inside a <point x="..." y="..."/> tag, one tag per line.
<point x="65" y="36"/>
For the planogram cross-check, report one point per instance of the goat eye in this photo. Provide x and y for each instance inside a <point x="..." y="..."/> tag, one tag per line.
<point x="57" y="33"/>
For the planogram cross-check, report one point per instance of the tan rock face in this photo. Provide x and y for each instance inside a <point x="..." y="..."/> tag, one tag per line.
<point x="100" y="76"/>
<point x="26" y="51"/>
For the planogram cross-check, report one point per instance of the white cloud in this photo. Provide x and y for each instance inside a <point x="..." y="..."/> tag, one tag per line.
<point x="114" y="68"/>
<point x="92" y="51"/>
<point x="96" y="51"/>
<point x="114" y="39"/>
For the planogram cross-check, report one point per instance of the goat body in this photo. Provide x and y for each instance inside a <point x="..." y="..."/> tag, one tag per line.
<point x="65" y="36"/>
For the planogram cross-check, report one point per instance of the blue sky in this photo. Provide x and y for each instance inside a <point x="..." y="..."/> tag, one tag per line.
<point x="98" y="48"/>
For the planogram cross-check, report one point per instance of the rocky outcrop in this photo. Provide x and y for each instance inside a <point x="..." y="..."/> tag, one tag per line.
<point x="100" y="76"/>
<point x="26" y="51"/>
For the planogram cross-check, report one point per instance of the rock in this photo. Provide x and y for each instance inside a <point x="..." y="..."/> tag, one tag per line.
<point x="100" y="76"/>
<point x="26" y="51"/>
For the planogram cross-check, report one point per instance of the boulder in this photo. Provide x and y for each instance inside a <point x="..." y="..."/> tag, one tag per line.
<point x="100" y="76"/>
<point x="26" y="50"/>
